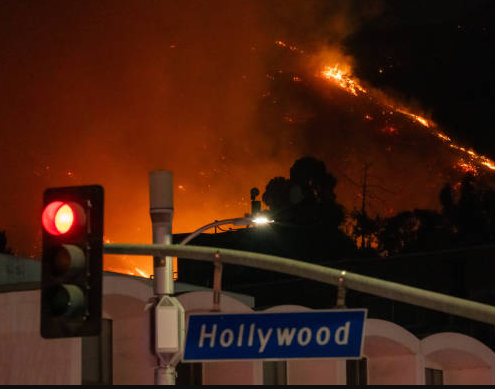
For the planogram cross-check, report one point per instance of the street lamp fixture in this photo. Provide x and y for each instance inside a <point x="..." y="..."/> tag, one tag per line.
<point x="242" y="221"/>
<point x="261" y="220"/>
<point x="256" y="218"/>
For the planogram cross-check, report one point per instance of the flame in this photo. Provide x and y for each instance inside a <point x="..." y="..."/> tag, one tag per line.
<point x="345" y="81"/>
<point x="348" y="82"/>
<point x="466" y="167"/>
<point x="426" y="123"/>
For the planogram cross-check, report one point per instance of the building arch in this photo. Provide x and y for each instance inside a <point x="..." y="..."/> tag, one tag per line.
<point x="384" y="338"/>
<point x="462" y="359"/>
<point x="392" y="353"/>
<point x="287" y="308"/>
<point x="124" y="302"/>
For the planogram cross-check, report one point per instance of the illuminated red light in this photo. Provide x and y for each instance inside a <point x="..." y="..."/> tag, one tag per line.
<point x="58" y="218"/>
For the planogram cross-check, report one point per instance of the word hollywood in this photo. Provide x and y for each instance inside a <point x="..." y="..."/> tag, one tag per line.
<point x="284" y="336"/>
<point x="313" y="334"/>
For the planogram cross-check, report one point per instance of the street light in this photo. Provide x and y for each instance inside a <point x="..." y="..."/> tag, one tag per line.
<point x="241" y="221"/>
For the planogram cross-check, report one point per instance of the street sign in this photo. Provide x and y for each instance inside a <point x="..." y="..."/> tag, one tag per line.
<point x="275" y="336"/>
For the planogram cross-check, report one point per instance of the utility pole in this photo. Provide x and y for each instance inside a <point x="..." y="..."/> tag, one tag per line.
<point x="363" y="207"/>
<point x="162" y="213"/>
<point x="168" y="312"/>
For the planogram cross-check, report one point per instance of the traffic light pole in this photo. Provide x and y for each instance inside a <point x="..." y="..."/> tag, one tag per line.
<point x="167" y="311"/>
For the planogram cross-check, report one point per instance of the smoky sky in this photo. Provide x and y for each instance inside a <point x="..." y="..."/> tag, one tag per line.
<point x="106" y="91"/>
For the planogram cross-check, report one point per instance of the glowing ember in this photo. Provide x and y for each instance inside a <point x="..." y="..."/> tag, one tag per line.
<point x="418" y="118"/>
<point x="443" y="137"/>
<point x="291" y="48"/>
<point x="489" y="164"/>
<point x="466" y="167"/>
<point x="390" y="130"/>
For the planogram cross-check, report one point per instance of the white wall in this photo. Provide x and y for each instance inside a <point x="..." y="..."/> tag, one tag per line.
<point x="124" y="303"/>
<point x="394" y="355"/>
<point x="25" y="357"/>
<point x="464" y="360"/>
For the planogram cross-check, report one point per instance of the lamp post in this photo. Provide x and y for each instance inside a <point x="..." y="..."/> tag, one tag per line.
<point x="256" y="217"/>
<point x="241" y="221"/>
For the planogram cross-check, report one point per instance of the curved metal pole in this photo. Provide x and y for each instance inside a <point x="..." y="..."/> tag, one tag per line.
<point x="194" y="234"/>
<point x="390" y="290"/>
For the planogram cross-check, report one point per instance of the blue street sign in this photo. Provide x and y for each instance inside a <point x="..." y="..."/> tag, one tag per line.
<point x="275" y="336"/>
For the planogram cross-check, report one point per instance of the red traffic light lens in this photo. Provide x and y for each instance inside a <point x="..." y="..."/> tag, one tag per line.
<point x="58" y="217"/>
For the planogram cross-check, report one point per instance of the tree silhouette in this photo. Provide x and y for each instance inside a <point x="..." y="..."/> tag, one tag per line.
<point x="467" y="218"/>
<point x="307" y="215"/>
<point x="469" y="214"/>
<point x="307" y="198"/>
<point x="3" y="243"/>
<point x="411" y="231"/>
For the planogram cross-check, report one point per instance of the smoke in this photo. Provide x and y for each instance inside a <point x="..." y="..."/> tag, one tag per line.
<point x="106" y="91"/>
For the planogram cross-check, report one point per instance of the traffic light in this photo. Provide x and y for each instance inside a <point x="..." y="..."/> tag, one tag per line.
<point x="72" y="262"/>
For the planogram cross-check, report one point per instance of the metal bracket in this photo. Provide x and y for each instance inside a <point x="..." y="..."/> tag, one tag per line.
<point x="217" y="282"/>
<point x="341" y="291"/>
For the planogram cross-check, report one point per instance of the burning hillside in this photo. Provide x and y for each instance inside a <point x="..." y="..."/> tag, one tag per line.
<point x="104" y="92"/>
<point x="331" y="114"/>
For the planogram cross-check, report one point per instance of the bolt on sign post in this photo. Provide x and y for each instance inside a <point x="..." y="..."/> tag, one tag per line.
<point x="72" y="262"/>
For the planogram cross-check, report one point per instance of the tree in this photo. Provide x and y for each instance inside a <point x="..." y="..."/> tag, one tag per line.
<point x="3" y="243"/>
<point x="307" y="198"/>
<point x="307" y="214"/>
<point x="470" y="213"/>
<point x="411" y="231"/>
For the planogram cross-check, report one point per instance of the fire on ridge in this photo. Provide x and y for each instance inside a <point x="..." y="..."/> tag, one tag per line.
<point x="470" y="162"/>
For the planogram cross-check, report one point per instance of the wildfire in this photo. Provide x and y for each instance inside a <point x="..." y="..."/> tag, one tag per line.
<point x="344" y="80"/>
<point x="348" y="82"/>
<point x="466" y="167"/>
<point x="418" y="118"/>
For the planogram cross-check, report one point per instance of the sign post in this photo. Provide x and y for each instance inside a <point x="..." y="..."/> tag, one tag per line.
<point x="168" y="312"/>
<point x="276" y="336"/>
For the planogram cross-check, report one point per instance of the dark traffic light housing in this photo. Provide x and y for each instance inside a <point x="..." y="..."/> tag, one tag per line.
<point x="72" y="262"/>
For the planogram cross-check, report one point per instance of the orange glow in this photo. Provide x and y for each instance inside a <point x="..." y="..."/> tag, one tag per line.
<point x="467" y="167"/>
<point x="290" y="47"/>
<point x="418" y="118"/>
<point x="443" y="137"/>
<point x="489" y="164"/>
<point x="345" y="81"/>
<point x="166" y="98"/>
<point x="390" y="130"/>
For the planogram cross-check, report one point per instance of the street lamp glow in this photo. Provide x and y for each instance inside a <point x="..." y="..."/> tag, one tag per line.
<point x="260" y="220"/>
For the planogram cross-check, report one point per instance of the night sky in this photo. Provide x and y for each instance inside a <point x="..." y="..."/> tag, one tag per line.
<point x="106" y="91"/>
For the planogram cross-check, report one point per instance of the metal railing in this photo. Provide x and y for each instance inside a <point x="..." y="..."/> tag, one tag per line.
<point x="386" y="289"/>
